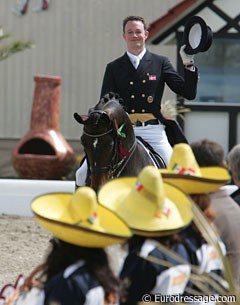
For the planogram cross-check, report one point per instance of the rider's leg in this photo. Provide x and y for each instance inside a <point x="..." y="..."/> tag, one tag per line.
<point x="81" y="174"/>
<point x="156" y="136"/>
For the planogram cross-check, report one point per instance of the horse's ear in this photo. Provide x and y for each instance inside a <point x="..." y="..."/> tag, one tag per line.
<point x="80" y="118"/>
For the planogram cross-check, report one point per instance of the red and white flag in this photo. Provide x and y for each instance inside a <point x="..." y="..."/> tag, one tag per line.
<point x="152" y="77"/>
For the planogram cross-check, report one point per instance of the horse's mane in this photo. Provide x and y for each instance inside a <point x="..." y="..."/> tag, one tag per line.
<point x="111" y="96"/>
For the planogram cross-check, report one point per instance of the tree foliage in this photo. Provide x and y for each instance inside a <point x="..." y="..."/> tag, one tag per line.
<point x="12" y="47"/>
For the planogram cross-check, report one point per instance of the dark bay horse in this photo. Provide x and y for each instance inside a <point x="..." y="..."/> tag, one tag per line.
<point x="109" y="142"/>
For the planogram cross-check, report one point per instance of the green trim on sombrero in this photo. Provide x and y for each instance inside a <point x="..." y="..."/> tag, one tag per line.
<point x="138" y="209"/>
<point x="53" y="212"/>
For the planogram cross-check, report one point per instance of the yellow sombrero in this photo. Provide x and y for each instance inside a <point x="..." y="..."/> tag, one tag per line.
<point x="78" y="219"/>
<point x="149" y="206"/>
<point x="184" y="172"/>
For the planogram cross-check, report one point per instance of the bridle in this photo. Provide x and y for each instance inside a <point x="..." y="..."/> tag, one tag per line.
<point x="117" y="164"/>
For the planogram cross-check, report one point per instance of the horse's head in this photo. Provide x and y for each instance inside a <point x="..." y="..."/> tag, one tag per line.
<point x="105" y="140"/>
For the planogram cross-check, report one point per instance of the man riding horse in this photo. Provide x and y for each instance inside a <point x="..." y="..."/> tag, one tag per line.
<point x="139" y="77"/>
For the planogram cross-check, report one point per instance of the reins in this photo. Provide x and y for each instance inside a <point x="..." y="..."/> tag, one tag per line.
<point x="124" y="161"/>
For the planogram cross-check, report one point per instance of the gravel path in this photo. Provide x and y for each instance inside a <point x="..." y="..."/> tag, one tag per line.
<point x="24" y="245"/>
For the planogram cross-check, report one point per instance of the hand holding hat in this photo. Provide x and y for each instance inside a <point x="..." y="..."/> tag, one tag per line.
<point x="187" y="59"/>
<point x="197" y="36"/>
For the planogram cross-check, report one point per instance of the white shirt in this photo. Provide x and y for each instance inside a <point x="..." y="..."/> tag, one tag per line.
<point x="135" y="59"/>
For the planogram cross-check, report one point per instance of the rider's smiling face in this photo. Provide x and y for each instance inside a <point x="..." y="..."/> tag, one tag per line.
<point x="135" y="36"/>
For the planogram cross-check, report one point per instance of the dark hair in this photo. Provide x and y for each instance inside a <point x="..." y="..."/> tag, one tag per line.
<point x="208" y="153"/>
<point x="202" y="200"/>
<point x="134" y="18"/>
<point x="64" y="254"/>
<point x="204" y="203"/>
<point x="234" y="161"/>
<point x="168" y="241"/>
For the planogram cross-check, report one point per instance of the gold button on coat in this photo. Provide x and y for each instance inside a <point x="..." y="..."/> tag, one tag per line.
<point x="144" y="80"/>
<point x="143" y="110"/>
<point x="150" y="99"/>
<point x="132" y="96"/>
<point x="143" y="95"/>
<point x="131" y="83"/>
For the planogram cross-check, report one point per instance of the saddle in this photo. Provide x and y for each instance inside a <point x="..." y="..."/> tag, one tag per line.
<point x="157" y="159"/>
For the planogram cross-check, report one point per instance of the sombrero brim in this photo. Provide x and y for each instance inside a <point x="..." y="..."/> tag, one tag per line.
<point x="113" y="194"/>
<point x="212" y="179"/>
<point x="197" y="36"/>
<point x="50" y="208"/>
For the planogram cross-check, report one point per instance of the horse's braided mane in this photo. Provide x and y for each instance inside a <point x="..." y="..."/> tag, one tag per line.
<point x="111" y="96"/>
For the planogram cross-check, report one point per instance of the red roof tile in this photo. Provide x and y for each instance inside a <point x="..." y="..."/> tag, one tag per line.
<point x="171" y="17"/>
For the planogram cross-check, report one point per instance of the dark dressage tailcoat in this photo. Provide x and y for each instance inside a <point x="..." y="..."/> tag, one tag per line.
<point x="142" y="89"/>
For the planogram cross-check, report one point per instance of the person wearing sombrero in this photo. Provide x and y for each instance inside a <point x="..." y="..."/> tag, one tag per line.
<point x="76" y="270"/>
<point x="156" y="212"/>
<point x="208" y="153"/>
<point x="184" y="172"/>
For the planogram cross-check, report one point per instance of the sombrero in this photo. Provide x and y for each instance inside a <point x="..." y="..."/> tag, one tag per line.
<point x="148" y="205"/>
<point x="184" y="172"/>
<point x="197" y="36"/>
<point x="78" y="219"/>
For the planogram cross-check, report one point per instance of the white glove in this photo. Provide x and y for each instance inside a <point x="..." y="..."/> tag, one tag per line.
<point x="187" y="59"/>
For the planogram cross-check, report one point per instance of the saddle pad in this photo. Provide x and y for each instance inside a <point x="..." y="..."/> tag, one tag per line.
<point x="157" y="159"/>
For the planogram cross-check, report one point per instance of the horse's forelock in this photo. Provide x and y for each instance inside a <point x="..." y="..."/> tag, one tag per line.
<point x="96" y="117"/>
<point x="116" y="112"/>
<point x="113" y="108"/>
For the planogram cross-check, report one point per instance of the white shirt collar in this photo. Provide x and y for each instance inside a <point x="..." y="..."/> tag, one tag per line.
<point x="139" y="56"/>
<point x="72" y="268"/>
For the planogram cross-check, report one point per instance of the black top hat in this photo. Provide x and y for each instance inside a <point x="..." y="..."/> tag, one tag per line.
<point x="197" y="36"/>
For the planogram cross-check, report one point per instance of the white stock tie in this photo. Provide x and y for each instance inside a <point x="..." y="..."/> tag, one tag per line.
<point x="136" y="62"/>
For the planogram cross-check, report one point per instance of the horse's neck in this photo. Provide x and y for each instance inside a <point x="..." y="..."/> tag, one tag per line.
<point x="120" y="119"/>
<point x="138" y="160"/>
<point x="130" y="136"/>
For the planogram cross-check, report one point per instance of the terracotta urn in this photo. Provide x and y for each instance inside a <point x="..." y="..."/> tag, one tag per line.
<point x="43" y="153"/>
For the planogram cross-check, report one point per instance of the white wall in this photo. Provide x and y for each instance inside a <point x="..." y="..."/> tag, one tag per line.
<point x="211" y="125"/>
<point x="73" y="39"/>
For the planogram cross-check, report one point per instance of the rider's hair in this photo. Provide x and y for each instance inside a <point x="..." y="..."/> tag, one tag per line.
<point x="134" y="18"/>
